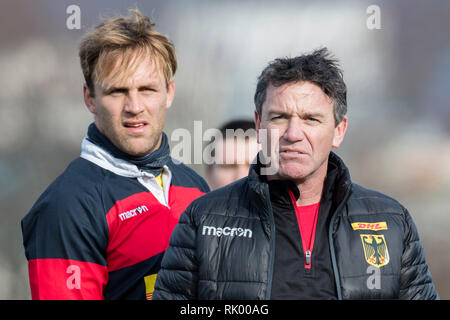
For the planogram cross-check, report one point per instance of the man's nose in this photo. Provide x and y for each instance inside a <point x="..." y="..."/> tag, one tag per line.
<point x="294" y="130"/>
<point x="133" y="104"/>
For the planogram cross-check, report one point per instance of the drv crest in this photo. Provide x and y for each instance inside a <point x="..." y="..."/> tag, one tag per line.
<point x="375" y="249"/>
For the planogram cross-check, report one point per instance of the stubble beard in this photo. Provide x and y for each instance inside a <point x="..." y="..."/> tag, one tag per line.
<point x="141" y="145"/>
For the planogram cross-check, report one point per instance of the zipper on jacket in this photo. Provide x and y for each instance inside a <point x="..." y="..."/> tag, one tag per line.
<point x="307" y="251"/>
<point x="331" y="242"/>
<point x="272" y="244"/>
<point x="308" y="257"/>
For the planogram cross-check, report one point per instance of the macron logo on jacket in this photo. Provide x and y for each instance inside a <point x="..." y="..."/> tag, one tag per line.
<point x="227" y="231"/>
<point x="131" y="213"/>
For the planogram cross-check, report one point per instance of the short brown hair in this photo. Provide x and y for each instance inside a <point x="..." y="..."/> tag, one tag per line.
<point x="131" y="39"/>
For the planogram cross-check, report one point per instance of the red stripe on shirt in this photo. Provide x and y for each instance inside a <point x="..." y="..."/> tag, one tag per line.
<point x="140" y="226"/>
<point x="65" y="279"/>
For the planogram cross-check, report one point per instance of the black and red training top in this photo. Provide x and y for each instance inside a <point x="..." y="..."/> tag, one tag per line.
<point x="100" y="229"/>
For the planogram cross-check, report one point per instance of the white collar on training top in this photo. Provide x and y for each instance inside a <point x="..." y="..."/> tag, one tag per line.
<point x="99" y="156"/>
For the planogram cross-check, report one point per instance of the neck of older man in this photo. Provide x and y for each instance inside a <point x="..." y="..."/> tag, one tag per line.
<point x="310" y="187"/>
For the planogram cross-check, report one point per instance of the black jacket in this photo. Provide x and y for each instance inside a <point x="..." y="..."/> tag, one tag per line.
<point x="224" y="245"/>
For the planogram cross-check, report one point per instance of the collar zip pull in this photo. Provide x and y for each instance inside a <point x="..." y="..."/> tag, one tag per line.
<point x="308" y="257"/>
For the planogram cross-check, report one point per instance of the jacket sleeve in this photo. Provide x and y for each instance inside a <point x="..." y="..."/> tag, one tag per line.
<point x="178" y="276"/>
<point x="415" y="278"/>
<point x="65" y="244"/>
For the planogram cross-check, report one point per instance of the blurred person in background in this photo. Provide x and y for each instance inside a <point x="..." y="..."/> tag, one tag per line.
<point x="100" y="229"/>
<point x="233" y="153"/>
<point x="303" y="230"/>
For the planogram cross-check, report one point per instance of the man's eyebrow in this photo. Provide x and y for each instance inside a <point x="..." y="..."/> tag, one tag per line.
<point x="150" y="84"/>
<point x="111" y="89"/>
<point x="278" y="113"/>
<point x="153" y="84"/>
<point x="307" y="115"/>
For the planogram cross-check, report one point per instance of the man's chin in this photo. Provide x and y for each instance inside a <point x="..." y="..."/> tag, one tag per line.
<point x="137" y="153"/>
<point x="138" y="146"/>
<point x="294" y="174"/>
<point x="137" y="150"/>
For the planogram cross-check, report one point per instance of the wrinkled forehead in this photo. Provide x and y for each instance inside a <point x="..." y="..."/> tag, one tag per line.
<point x="295" y="95"/>
<point x="125" y="68"/>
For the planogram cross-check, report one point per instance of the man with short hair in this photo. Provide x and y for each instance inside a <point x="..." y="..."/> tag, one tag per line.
<point x="297" y="227"/>
<point x="234" y="151"/>
<point x="101" y="228"/>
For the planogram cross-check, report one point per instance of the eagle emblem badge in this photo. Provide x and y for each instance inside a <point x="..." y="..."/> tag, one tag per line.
<point x="375" y="249"/>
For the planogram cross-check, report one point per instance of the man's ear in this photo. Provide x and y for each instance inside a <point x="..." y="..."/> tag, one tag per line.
<point x="88" y="99"/>
<point x="170" y="93"/>
<point x="257" y="125"/>
<point x="339" y="133"/>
